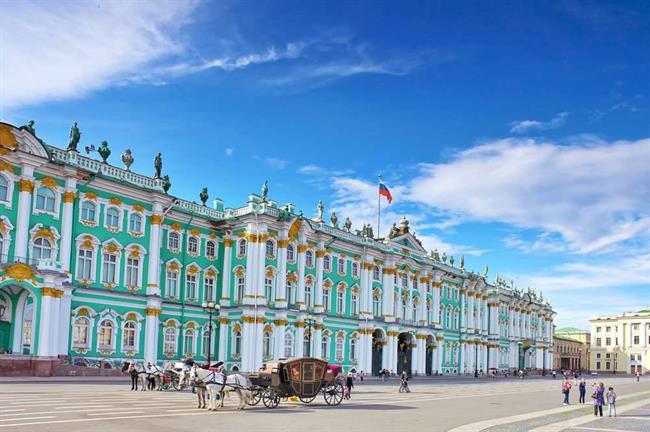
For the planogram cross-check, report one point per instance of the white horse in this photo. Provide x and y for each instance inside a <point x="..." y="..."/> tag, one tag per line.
<point x="216" y="382"/>
<point x="185" y="380"/>
<point x="143" y="375"/>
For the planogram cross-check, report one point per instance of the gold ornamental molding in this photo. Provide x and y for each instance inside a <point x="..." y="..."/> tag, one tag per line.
<point x="8" y="142"/>
<point x="69" y="197"/>
<point x="280" y="322"/>
<point x="319" y="326"/>
<point x="49" y="182"/>
<point x="389" y="271"/>
<point x="282" y="244"/>
<point x="51" y="292"/>
<point x="115" y="201"/>
<point x="439" y="338"/>
<point x="251" y="237"/>
<point x="90" y="196"/>
<point x="299" y="324"/>
<point x="19" y="272"/>
<point x="4" y="166"/>
<point x="223" y="320"/>
<point x="422" y="336"/>
<point x="152" y="311"/>
<point x="25" y="185"/>
<point x="392" y="333"/>
<point x="195" y="232"/>
<point x="302" y="248"/>
<point x="227" y="242"/>
<point x="138" y="208"/>
<point x="320" y="253"/>
<point x="156" y="219"/>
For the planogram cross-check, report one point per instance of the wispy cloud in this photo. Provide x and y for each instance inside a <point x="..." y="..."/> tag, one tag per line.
<point x="229" y="151"/>
<point x="524" y="126"/>
<point x="54" y="51"/>
<point x="593" y="193"/>
<point x="275" y="163"/>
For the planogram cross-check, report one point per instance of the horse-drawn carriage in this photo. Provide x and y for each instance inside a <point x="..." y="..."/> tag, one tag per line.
<point x="303" y="378"/>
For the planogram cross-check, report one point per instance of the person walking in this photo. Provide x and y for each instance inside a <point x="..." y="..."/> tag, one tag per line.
<point x="599" y="399"/>
<point x="582" y="388"/>
<point x="611" y="401"/>
<point x="638" y="375"/>
<point x="404" y="383"/>
<point x="554" y="374"/>
<point x="349" y="384"/>
<point x="566" y="388"/>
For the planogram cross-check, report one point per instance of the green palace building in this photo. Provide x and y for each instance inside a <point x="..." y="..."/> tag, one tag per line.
<point x="100" y="264"/>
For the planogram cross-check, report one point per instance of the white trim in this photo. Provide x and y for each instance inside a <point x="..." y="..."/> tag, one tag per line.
<point x="57" y="199"/>
<point x="11" y="179"/>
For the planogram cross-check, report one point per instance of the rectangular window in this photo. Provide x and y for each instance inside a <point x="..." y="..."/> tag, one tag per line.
<point x="132" y="270"/>
<point x="636" y="340"/>
<point x="239" y="289"/>
<point x="209" y="288"/>
<point x="109" y="268"/>
<point x="84" y="264"/>
<point x="599" y="342"/>
<point x="597" y="355"/>
<point x="326" y="299"/>
<point x="597" y="329"/>
<point x="597" y="365"/>
<point x="190" y="286"/>
<point x="172" y="283"/>
<point x="339" y="302"/>
<point x="608" y="329"/>
<point x="354" y="304"/>
<point x="607" y="355"/>
<point x="608" y="341"/>
<point x="607" y="365"/>
<point x="340" y="265"/>
<point x="268" y="289"/>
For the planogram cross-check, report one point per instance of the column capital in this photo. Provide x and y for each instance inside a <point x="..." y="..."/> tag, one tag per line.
<point x="26" y="185"/>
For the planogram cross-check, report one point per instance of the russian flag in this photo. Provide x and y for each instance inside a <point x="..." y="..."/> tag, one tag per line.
<point x="383" y="190"/>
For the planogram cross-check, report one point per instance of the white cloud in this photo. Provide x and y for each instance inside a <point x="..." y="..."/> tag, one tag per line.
<point x="228" y="151"/>
<point x="275" y="163"/>
<point x="594" y="194"/>
<point x="523" y="126"/>
<point x="53" y="51"/>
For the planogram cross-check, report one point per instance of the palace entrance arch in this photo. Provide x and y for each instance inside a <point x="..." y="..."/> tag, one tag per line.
<point x="378" y="341"/>
<point x="404" y="352"/>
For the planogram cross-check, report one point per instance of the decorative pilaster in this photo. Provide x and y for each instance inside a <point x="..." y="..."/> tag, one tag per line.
<point x="153" y="276"/>
<point x="152" y="321"/>
<point x="387" y="291"/>
<point x="66" y="222"/>
<point x="250" y="290"/>
<point x="223" y="337"/>
<point x="318" y="289"/>
<point x="300" y="336"/>
<point x="49" y="318"/>
<point x="225" y="276"/>
<point x="65" y="303"/>
<point x="281" y="300"/>
<point x="300" y="301"/>
<point x="316" y="337"/>
<point x="25" y="188"/>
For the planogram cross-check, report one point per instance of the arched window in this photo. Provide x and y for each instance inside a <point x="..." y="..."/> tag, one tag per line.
<point x="240" y="284"/>
<point x="404" y="309"/>
<point x="268" y="288"/>
<point x="193" y="246"/>
<point x="189" y="341"/>
<point x="376" y="304"/>
<point x="42" y="249"/>
<point x="190" y="286"/>
<point x="45" y="199"/>
<point x="267" y="344"/>
<point x="340" y="265"/>
<point x="429" y="314"/>
<point x="128" y="336"/>
<point x="448" y="318"/>
<point x="306" y="349"/>
<point x="308" y="302"/>
<point x="327" y="263"/>
<point x="241" y="248"/>
<point x="309" y="258"/>
<point x="113" y="218"/>
<point x="80" y="333"/>
<point x="288" y="345"/>
<point x="325" y="347"/>
<point x="340" y="302"/>
<point x="353" y="348"/>
<point x="291" y="253"/>
<point x="415" y="283"/>
<point x="4" y="189"/>
<point x="88" y="211"/>
<point x="169" y="344"/>
<point x="109" y="268"/>
<point x="355" y="270"/>
<point x="354" y="303"/>
<point x="135" y="223"/>
<point x="340" y="348"/>
<point x="405" y="280"/>
<point x="2" y="248"/>
<point x="291" y="292"/>
<point x="173" y="241"/>
<point x="236" y="342"/>
<point x="270" y="249"/>
<point x="211" y="249"/>
<point x="376" y="273"/>
<point x="414" y="314"/>
<point x="106" y="331"/>
<point x="85" y="264"/>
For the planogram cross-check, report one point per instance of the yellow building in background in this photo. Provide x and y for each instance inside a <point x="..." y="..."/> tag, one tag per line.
<point x="573" y="334"/>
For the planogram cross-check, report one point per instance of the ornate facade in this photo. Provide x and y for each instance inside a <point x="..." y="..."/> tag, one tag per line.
<point x="100" y="263"/>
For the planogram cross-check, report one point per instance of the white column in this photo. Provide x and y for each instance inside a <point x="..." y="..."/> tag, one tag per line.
<point x="26" y="188"/>
<point x="151" y="325"/>
<point x="223" y="338"/>
<point x="461" y="313"/>
<point x="258" y="357"/>
<point x="365" y="285"/>
<point x="318" y="289"/>
<point x="315" y="340"/>
<point x="48" y="328"/>
<point x="422" y="354"/>
<point x="300" y="335"/>
<point x="439" y="357"/>
<point x="225" y="277"/>
<point x="261" y="269"/>
<point x="367" y="367"/>
<point x="436" y="287"/>
<point x="251" y="269"/>
<point x="281" y="299"/>
<point x="385" y="354"/>
<point x="66" y="223"/>
<point x="64" y="321"/>
<point x="280" y="331"/>
<point x="153" y="275"/>
<point x="387" y="290"/>
<point x="300" y="300"/>
<point x="422" y="306"/>
<point x="470" y="311"/>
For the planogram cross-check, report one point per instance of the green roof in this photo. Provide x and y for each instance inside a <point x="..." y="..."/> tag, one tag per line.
<point x="643" y="311"/>
<point x="570" y="330"/>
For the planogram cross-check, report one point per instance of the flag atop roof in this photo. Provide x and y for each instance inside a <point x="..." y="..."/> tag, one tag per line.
<point x="383" y="190"/>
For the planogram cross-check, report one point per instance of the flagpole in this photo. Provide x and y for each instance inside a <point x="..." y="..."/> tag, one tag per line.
<point x="378" y="209"/>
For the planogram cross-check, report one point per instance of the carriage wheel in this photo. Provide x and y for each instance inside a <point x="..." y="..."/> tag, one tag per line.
<point x="270" y="398"/>
<point x="256" y="397"/>
<point x="306" y="399"/>
<point x="333" y="393"/>
<point x="175" y="382"/>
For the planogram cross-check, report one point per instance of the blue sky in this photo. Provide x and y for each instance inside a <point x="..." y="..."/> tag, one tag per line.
<point x="514" y="133"/>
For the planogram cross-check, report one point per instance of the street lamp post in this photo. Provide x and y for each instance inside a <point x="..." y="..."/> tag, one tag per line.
<point x="475" y="361"/>
<point x="309" y="320"/>
<point x="211" y="308"/>
<point x="544" y="361"/>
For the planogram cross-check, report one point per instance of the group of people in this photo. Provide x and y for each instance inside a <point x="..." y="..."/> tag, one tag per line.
<point x="598" y="395"/>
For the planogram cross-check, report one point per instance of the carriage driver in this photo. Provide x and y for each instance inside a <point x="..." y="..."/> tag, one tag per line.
<point x="151" y="380"/>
